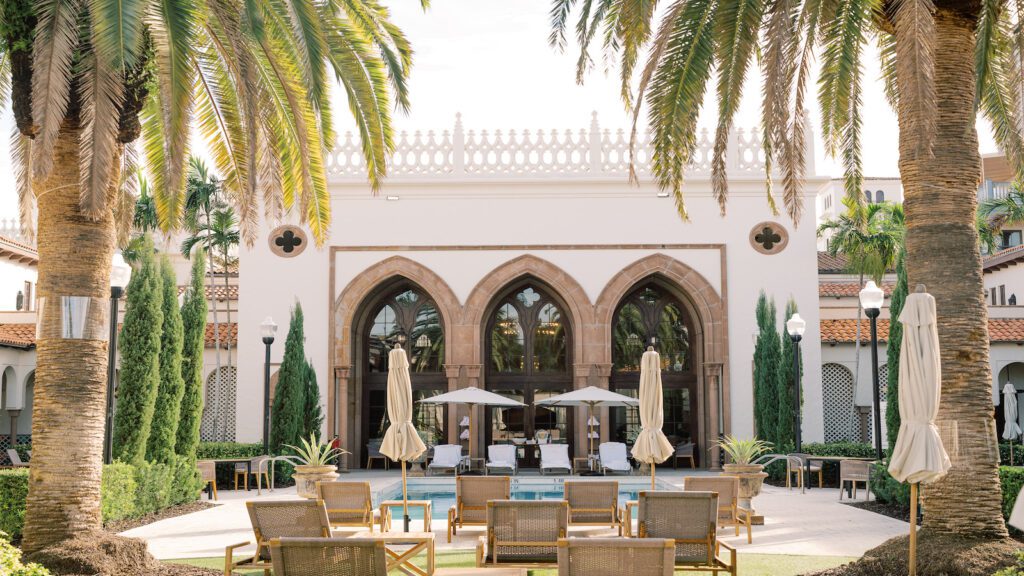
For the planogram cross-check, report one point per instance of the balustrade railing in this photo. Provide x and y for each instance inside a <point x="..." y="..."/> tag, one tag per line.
<point x="10" y="228"/>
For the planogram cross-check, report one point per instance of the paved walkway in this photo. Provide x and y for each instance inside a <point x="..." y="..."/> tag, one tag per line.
<point x="814" y="523"/>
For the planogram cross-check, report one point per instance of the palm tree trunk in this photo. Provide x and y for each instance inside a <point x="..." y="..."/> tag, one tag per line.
<point x="942" y="252"/>
<point x="71" y="374"/>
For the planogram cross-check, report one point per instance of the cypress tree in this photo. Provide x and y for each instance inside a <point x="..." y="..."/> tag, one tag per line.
<point x="164" y="432"/>
<point x="764" y="386"/>
<point x="140" y="359"/>
<point x="287" y="416"/>
<point x="786" y="434"/>
<point x="892" y="350"/>
<point x="193" y="320"/>
<point x="314" y="416"/>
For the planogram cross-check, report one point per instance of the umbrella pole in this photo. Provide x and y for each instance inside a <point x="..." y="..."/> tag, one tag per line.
<point x="405" y="500"/>
<point x="913" y="529"/>
<point x="471" y="410"/>
<point x="590" y="433"/>
<point x="652" y="474"/>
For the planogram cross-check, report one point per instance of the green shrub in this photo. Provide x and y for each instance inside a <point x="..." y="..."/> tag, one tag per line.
<point x="117" y="495"/>
<point x="217" y="450"/>
<point x="1011" y="479"/>
<point x="289" y="407"/>
<point x="193" y="320"/>
<point x="186" y="483"/>
<point x="830" y="470"/>
<point x="23" y="450"/>
<point x="11" y="564"/>
<point x="13" y="491"/>
<point x="152" y="487"/>
<point x="1004" y="454"/>
<point x="886" y="489"/>
<point x="1017" y="570"/>
<point x="163" y="434"/>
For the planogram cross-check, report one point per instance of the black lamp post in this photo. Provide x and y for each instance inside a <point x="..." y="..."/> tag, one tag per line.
<point x="267" y="330"/>
<point x="795" y="326"/>
<point x="871" y="298"/>
<point x="120" y="273"/>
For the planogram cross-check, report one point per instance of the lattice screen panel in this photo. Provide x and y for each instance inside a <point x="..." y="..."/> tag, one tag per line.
<point x="883" y="382"/>
<point x="841" y="420"/>
<point x="218" y="423"/>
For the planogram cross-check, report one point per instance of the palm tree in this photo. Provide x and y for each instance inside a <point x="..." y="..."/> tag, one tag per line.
<point x="941" y="59"/>
<point x="218" y="236"/>
<point x="86" y="79"/>
<point x="1000" y="212"/>
<point x="870" y="237"/>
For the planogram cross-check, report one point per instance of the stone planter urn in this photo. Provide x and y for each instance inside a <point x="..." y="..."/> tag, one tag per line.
<point x="751" y="478"/>
<point x="307" y="476"/>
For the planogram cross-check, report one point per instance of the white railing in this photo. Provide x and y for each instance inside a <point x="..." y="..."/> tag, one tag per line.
<point x="990" y="190"/>
<point x="10" y="228"/>
<point x="583" y="153"/>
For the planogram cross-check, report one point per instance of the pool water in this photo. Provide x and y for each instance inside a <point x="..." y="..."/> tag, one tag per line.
<point x="441" y="492"/>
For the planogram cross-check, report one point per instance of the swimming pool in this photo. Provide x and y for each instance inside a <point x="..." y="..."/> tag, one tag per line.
<point x="441" y="492"/>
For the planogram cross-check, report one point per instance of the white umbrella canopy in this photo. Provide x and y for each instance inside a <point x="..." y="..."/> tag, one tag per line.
<point x="1011" y="429"/>
<point x="651" y="445"/>
<point x="591" y="397"/>
<point x="472" y="397"/>
<point x="401" y="442"/>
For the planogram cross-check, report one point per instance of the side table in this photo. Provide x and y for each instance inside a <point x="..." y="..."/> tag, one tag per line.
<point x="387" y="505"/>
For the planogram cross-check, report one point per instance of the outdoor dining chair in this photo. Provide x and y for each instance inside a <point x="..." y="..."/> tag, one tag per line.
<point x="373" y="453"/>
<point x="614" y="458"/>
<point x="730" y="513"/>
<point x="594" y="504"/>
<point x="208" y="474"/>
<point x="691" y="519"/>
<point x="807" y="464"/>
<point x="328" y="557"/>
<point x="256" y="469"/>
<point x="280" y="519"/>
<point x="684" y="451"/>
<point x="854" y="471"/>
<point x="616" y="556"/>
<point x="555" y="457"/>
<point x="523" y="533"/>
<point x="349" y="504"/>
<point x="471" y="496"/>
<point x="502" y="457"/>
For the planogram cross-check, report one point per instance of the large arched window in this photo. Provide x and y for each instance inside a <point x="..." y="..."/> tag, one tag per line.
<point x="406" y="315"/>
<point x="528" y="341"/>
<point x="652" y="315"/>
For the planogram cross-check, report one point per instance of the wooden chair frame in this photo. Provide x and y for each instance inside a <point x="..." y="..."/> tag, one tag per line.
<point x="262" y="543"/>
<point x="616" y="511"/>
<point x="735" y="516"/>
<point x="370" y="515"/>
<point x="456" y="514"/>
<point x="489" y="542"/>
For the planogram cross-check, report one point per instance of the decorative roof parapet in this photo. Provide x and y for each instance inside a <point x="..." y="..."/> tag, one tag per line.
<point x="11" y="228"/>
<point x="585" y="153"/>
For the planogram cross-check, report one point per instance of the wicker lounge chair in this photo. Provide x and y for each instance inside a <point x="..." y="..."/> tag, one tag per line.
<point x="855" y="471"/>
<point x="208" y="474"/>
<point x="523" y="533"/>
<point x="689" y="518"/>
<point x="615" y="557"/>
<point x="328" y="557"/>
<point x="555" y="457"/>
<point x="348" y="504"/>
<point x="684" y="451"/>
<point x="373" y="453"/>
<point x="614" y="458"/>
<point x="471" y="496"/>
<point x="594" y="504"/>
<point x="281" y="519"/>
<point x="729" y="511"/>
<point x="447" y="457"/>
<point x="502" y="457"/>
<point x="15" y="458"/>
<point x="814" y="468"/>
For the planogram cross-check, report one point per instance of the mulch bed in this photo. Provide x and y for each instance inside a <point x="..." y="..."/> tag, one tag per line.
<point x="104" y="554"/>
<point x="173" y="511"/>
<point x="891" y="510"/>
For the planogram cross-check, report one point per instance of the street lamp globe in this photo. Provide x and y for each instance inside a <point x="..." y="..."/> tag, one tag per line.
<point x="120" y="271"/>
<point x="267" y="330"/>
<point x="871" y="296"/>
<point x="795" y="326"/>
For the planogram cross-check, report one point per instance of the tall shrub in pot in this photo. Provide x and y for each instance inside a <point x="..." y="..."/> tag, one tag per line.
<point x="742" y="454"/>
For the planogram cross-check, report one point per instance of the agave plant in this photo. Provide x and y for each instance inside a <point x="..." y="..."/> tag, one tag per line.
<point x="313" y="452"/>
<point x="741" y="451"/>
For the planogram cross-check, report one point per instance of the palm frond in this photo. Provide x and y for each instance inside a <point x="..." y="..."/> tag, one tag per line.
<point x="52" y="50"/>
<point x="843" y="40"/>
<point x="102" y="95"/>
<point x="372" y="20"/>
<point x="887" y="60"/>
<point x="124" y="204"/>
<point x="631" y="29"/>
<point x="779" y="65"/>
<point x="117" y="30"/>
<point x="1001" y="96"/>
<point x="21" y="161"/>
<point x="985" y="47"/>
<point x="5" y="76"/>
<point x="559" y="16"/>
<point x="850" y="140"/>
<point x="915" y="36"/>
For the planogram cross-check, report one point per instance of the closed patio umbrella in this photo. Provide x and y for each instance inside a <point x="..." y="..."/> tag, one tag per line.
<point x="1011" y="430"/>
<point x="591" y="397"/>
<point x="472" y="397"/>
<point x="651" y="446"/>
<point x="919" y="455"/>
<point x="401" y="442"/>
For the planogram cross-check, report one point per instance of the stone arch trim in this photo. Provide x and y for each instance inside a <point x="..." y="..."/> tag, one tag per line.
<point x="562" y="284"/>
<point x="366" y="283"/>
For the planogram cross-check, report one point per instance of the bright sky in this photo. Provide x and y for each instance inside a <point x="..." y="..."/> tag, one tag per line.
<point x="489" y="60"/>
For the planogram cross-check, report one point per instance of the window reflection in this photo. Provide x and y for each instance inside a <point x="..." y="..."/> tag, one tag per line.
<point x="528" y="335"/>
<point x="651" y="312"/>
<point x="414" y="316"/>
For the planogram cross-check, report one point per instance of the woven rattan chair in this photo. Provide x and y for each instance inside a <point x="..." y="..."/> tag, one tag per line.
<point x="328" y="557"/>
<point x="471" y="496"/>
<point x="691" y="519"/>
<point x="594" y="504"/>
<point x="349" y="504"/>
<point x="254" y="469"/>
<point x="615" y="557"/>
<point x="729" y="511"/>
<point x="814" y="468"/>
<point x="280" y="519"/>
<point x="523" y="533"/>
<point x="208" y="473"/>
<point x="684" y="451"/>
<point x="855" y="471"/>
<point x="15" y="458"/>
<point x="373" y="453"/>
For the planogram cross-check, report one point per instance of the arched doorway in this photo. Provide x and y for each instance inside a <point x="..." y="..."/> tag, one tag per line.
<point x="527" y="352"/>
<point x="1013" y="374"/>
<point x="652" y="314"/>
<point x="402" y="313"/>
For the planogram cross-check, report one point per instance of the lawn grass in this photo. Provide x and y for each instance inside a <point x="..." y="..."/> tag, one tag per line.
<point x="749" y="564"/>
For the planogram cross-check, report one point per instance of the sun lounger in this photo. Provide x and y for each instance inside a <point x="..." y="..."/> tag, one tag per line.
<point x="502" y="457"/>
<point x="447" y="457"/>
<point x="614" y="458"/>
<point x="555" y="457"/>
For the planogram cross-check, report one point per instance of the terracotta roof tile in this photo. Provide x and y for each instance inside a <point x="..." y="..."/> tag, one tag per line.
<point x="18" y="335"/>
<point x="848" y="289"/>
<point x="14" y="250"/>
<point x="228" y="334"/>
<point x="1003" y="258"/>
<point x="828" y="264"/>
<point x="845" y="330"/>
<point x="219" y="290"/>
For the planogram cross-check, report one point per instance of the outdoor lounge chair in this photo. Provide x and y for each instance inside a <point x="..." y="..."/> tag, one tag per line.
<point x="684" y="451"/>
<point x="348" y="504"/>
<point x="523" y="533"/>
<point x="729" y="511"/>
<point x="555" y="457"/>
<point x="594" y="504"/>
<point x="615" y="556"/>
<point x="854" y="471"/>
<point x="614" y="458"/>
<point x="208" y="474"/>
<point x="373" y="453"/>
<point x="689" y="518"/>
<point x="280" y="519"/>
<point x="446" y="457"/>
<point x="15" y="458"/>
<point x="471" y="496"/>
<point x="328" y="557"/>
<point x="814" y="468"/>
<point x="502" y="457"/>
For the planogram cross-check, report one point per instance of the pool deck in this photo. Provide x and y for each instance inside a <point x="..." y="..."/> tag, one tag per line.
<point x="814" y="523"/>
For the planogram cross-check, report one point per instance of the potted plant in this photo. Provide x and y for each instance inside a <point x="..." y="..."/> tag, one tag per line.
<point x="313" y="463"/>
<point x="742" y="453"/>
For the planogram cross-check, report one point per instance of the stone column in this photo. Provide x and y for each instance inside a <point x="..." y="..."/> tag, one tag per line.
<point x="473" y="377"/>
<point x="343" y="419"/>
<point x="581" y="379"/>
<point x="14" y="426"/>
<point x="715" y="414"/>
<point x="452" y="372"/>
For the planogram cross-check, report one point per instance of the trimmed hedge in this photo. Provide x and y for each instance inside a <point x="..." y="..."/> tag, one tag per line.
<point x="216" y="450"/>
<point x="13" y="491"/>
<point x="888" y="490"/>
<point x="11" y="564"/>
<point x="117" y="494"/>
<point x="1011" y="479"/>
